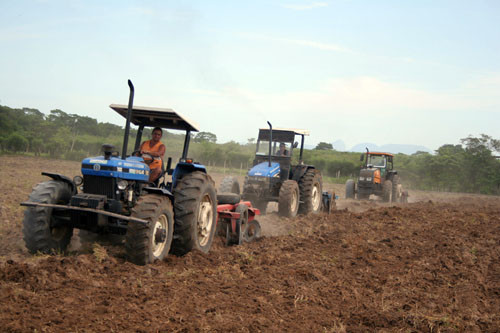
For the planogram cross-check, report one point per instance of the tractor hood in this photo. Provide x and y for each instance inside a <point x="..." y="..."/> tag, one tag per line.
<point x="264" y="170"/>
<point x="367" y="172"/>
<point x="133" y="168"/>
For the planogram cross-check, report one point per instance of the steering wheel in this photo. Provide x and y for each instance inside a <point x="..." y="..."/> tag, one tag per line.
<point x="148" y="159"/>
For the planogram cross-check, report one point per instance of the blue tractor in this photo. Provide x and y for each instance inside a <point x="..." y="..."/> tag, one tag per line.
<point x="114" y="198"/>
<point x="273" y="178"/>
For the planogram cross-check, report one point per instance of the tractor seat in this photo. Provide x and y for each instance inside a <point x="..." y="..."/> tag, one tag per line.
<point x="228" y="198"/>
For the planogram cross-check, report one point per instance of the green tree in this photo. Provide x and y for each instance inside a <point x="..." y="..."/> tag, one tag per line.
<point x="16" y="142"/>
<point x="324" y="146"/>
<point x="480" y="166"/>
<point x="205" y="136"/>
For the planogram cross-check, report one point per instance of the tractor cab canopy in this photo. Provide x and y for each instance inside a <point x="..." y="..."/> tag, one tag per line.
<point x="281" y="138"/>
<point x="143" y="116"/>
<point x="379" y="159"/>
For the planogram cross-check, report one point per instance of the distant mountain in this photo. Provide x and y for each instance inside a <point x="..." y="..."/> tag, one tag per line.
<point x="390" y="148"/>
<point x="338" y="145"/>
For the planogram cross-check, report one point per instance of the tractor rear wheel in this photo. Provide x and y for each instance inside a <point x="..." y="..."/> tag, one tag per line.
<point x="349" y="189"/>
<point x="195" y="213"/>
<point x="387" y="191"/>
<point x="229" y="185"/>
<point x="288" y="201"/>
<point x="42" y="231"/>
<point x="146" y="243"/>
<point x="311" y="192"/>
<point x="396" y="189"/>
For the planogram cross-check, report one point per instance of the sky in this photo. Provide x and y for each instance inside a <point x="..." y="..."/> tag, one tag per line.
<point x="421" y="72"/>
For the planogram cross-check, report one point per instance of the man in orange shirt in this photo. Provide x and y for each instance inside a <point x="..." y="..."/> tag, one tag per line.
<point x="152" y="151"/>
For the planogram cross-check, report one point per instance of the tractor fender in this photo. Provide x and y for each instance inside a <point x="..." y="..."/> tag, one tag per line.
<point x="62" y="178"/>
<point x="161" y="191"/>
<point x="391" y="174"/>
<point x="300" y="170"/>
<point x="183" y="168"/>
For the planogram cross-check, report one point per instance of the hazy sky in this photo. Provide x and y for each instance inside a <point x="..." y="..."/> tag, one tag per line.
<point x="410" y="72"/>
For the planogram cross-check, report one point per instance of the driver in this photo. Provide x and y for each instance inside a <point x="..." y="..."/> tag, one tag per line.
<point x="282" y="151"/>
<point x="152" y="151"/>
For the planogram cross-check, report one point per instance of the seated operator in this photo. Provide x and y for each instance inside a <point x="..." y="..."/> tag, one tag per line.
<point x="282" y="151"/>
<point x="152" y="151"/>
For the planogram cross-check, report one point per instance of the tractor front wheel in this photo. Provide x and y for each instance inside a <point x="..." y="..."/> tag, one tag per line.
<point x="349" y="189"/>
<point x="288" y="201"/>
<point x="147" y="243"/>
<point x="229" y="185"/>
<point x="43" y="232"/>
<point x="195" y="213"/>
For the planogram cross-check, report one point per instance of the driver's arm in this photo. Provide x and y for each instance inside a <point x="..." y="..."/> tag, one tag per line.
<point x="140" y="152"/>
<point x="161" y="152"/>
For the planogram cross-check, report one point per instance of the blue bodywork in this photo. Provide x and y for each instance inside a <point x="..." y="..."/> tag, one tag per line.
<point x="264" y="170"/>
<point x="133" y="168"/>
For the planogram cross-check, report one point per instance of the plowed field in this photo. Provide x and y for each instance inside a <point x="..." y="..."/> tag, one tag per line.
<point x="432" y="265"/>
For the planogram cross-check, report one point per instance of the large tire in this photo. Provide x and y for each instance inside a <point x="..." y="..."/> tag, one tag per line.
<point x="146" y="243"/>
<point x="228" y="198"/>
<point x="195" y="210"/>
<point x="387" y="191"/>
<point x="311" y="192"/>
<point x="229" y="185"/>
<point x="396" y="189"/>
<point x="349" y="189"/>
<point x="288" y="201"/>
<point x="39" y="230"/>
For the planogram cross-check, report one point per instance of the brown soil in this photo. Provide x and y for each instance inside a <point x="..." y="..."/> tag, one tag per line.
<point x="431" y="265"/>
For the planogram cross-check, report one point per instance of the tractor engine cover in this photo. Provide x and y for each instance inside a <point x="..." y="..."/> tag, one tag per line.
<point x="264" y="170"/>
<point x="132" y="168"/>
<point x="366" y="176"/>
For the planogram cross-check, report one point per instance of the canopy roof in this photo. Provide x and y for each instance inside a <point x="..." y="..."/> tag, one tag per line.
<point x="379" y="153"/>
<point x="156" y="117"/>
<point x="294" y="130"/>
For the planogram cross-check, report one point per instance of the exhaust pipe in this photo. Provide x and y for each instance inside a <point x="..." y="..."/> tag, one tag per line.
<point x="270" y="140"/>
<point x="129" y="115"/>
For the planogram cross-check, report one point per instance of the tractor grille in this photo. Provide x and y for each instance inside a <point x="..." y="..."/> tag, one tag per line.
<point x="99" y="185"/>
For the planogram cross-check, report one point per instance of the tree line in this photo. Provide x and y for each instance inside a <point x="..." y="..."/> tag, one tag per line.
<point x="469" y="166"/>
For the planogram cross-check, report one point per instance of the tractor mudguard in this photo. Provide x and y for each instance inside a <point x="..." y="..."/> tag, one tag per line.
<point x="161" y="191"/>
<point x="183" y="168"/>
<point x="300" y="170"/>
<point x="62" y="178"/>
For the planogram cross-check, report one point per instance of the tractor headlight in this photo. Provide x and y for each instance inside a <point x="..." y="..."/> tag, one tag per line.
<point x="368" y="179"/>
<point x="78" y="180"/>
<point x="122" y="184"/>
<point x="361" y="178"/>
